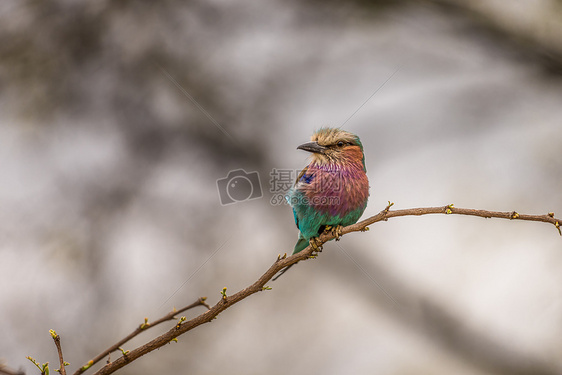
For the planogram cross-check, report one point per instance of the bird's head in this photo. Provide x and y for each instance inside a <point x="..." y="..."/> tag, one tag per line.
<point x="334" y="146"/>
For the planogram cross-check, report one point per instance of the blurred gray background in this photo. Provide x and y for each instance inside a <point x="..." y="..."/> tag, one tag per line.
<point x="109" y="204"/>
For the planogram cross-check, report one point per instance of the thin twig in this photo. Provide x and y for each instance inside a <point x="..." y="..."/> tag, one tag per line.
<point x="283" y="261"/>
<point x="56" y="338"/>
<point x="142" y="327"/>
<point x="451" y="209"/>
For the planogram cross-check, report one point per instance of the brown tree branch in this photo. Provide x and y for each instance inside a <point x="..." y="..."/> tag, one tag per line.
<point x="56" y="338"/>
<point x="450" y="209"/>
<point x="142" y="327"/>
<point x="284" y="261"/>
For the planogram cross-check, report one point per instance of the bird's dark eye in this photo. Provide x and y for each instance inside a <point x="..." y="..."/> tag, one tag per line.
<point x="340" y="143"/>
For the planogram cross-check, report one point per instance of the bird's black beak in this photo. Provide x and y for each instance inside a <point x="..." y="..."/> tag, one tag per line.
<point x="313" y="147"/>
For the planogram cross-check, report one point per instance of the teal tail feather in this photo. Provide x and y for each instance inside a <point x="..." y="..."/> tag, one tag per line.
<point x="302" y="244"/>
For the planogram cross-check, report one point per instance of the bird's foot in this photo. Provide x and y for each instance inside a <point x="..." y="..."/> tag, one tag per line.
<point x="337" y="231"/>
<point x="316" y="245"/>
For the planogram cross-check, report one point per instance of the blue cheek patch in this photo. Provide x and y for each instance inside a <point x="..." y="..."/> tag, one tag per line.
<point x="306" y="179"/>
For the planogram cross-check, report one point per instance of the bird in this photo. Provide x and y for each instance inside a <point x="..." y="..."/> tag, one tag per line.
<point x="332" y="190"/>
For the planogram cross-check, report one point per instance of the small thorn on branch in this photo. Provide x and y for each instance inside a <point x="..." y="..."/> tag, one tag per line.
<point x="144" y="325"/>
<point x="88" y="365"/>
<point x="279" y="257"/>
<point x="182" y="319"/>
<point x="387" y="208"/>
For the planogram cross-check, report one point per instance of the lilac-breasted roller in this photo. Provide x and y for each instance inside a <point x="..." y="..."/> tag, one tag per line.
<point x="332" y="191"/>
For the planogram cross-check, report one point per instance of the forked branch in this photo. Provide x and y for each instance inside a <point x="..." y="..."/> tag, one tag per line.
<point x="141" y="328"/>
<point x="281" y="262"/>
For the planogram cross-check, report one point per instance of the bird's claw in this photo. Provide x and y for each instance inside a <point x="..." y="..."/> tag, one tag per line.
<point x="316" y="245"/>
<point x="336" y="231"/>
